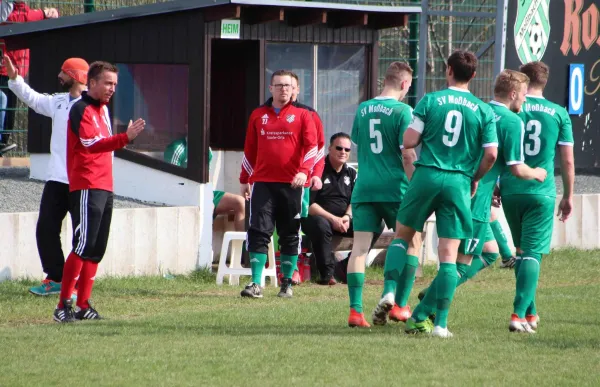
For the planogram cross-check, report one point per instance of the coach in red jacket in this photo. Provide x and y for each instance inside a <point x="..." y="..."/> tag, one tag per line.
<point x="21" y="13"/>
<point x="279" y="154"/>
<point x="90" y="143"/>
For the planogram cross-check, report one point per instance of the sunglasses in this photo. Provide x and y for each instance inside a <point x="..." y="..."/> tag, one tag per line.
<point x="340" y="148"/>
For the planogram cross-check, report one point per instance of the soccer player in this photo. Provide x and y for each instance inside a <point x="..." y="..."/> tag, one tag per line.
<point x="528" y="205"/>
<point x="55" y="197"/>
<point x="453" y="126"/>
<point x="90" y="144"/>
<point x="510" y="90"/>
<point x="279" y="153"/>
<point x="377" y="132"/>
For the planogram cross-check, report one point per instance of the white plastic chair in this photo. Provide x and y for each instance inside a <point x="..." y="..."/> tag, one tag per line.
<point x="235" y="269"/>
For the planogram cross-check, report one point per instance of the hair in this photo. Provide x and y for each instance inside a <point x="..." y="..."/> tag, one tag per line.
<point x="538" y="73"/>
<point x="295" y="76"/>
<point x="283" y="73"/>
<point x="395" y="74"/>
<point x="463" y="64"/>
<point x="339" y="135"/>
<point x="508" y="81"/>
<point x="97" y="68"/>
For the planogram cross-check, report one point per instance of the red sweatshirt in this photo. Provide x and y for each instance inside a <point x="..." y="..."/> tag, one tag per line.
<point x="21" y="14"/>
<point x="278" y="146"/>
<point x="90" y="144"/>
<point x="320" y="160"/>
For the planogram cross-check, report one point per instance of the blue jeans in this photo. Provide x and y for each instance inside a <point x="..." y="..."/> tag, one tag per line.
<point x="8" y="103"/>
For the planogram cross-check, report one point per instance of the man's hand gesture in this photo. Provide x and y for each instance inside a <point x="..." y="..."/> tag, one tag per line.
<point x="299" y="180"/>
<point x="135" y="128"/>
<point x="11" y="70"/>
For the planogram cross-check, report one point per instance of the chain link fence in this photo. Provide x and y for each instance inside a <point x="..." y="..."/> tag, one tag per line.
<point x="444" y="34"/>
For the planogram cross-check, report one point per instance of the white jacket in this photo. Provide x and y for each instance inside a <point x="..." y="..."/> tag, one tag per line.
<point x="56" y="106"/>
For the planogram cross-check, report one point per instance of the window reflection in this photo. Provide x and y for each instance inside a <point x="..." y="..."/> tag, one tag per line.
<point x="159" y="94"/>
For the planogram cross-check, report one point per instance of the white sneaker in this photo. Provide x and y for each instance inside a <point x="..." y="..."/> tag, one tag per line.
<point x="519" y="325"/>
<point x="444" y="333"/>
<point x="380" y="314"/>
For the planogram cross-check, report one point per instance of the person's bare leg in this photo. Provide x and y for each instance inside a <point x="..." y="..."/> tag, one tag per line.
<point x="233" y="203"/>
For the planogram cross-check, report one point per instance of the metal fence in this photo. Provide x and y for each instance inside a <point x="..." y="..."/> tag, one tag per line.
<point x="451" y="24"/>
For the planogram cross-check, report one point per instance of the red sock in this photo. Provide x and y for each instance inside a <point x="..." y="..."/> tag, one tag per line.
<point x="86" y="283"/>
<point x="71" y="271"/>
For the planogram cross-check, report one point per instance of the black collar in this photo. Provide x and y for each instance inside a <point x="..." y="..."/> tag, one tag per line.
<point x="86" y="97"/>
<point x="328" y="165"/>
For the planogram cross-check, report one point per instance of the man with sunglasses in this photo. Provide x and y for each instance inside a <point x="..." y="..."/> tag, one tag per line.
<point x="279" y="152"/>
<point x="330" y="212"/>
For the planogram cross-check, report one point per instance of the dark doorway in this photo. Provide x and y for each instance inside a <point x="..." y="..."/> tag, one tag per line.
<point x="235" y="90"/>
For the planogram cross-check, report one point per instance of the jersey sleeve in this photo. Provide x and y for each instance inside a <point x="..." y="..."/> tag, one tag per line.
<point x="250" y="150"/>
<point x="309" y="143"/>
<point x="489" y="136"/>
<point x="40" y="103"/>
<point x="404" y="120"/>
<point x="320" y="161"/>
<point x="83" y="125"/>
<point x="513" y="132"/>
<point x="565" y="134"/>
<point x="354" y="134"/>
<point x="419" y="114"/>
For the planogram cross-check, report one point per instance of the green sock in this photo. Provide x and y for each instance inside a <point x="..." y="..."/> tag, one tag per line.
<point x="446" y="287"/>
<point x="288" y="264"/>
<point x="500" y="237"/>
<point x="461" y="270"/>
<point x="257" y="263"/>
<point x="355" y="290"/>
<point x="407" y="280"/>
<point x="527" y="279"/>
<point x="427" y="305"/>
<point x="479" y="263"/>
<point x="395" y="259"/>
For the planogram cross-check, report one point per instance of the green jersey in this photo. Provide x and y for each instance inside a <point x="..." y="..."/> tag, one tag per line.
<point x="176" y="153"/>
<point x="377" y="131"/>
<point x="509" y="128"/>
<point x="547" y="125"/>
<point x="455" y="126"/>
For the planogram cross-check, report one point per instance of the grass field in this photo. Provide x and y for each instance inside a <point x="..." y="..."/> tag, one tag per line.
<point x="188" y="331"/>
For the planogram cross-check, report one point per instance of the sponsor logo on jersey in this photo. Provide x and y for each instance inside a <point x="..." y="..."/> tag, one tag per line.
<point x="262" y="132"/>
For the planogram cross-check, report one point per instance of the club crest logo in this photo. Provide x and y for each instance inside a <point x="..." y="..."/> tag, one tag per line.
<point x="532" y="29"/>
<point x="290" y="118"/>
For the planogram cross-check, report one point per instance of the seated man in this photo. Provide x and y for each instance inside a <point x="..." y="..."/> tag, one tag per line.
<point x="330" y="213"/>
<point x="224" y="202"/>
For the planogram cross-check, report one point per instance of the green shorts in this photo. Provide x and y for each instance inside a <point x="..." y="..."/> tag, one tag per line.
<point x="217" y="196"/>
<point x="531" y="221"/>
<point x="448" y="194"/>
<point x="482" y="233"/>
<point x="305" y="202"/>
<point x="367" y="217"/>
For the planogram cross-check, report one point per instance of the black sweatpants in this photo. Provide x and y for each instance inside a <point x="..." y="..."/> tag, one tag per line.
<point x="11" y="105"/>
<point x="91" y="213"/>
<point x="274" y="204"/>
<point x="53" y="209"/>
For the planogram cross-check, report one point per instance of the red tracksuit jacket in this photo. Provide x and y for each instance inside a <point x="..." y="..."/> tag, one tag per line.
<point x="278" y="146"/>
<point x="320" y="160"/>
<point x="90" y="144"/>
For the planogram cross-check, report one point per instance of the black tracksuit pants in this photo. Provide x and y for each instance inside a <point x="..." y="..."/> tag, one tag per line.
<point x="274" y="204"/>
<point x="53" y="209"/>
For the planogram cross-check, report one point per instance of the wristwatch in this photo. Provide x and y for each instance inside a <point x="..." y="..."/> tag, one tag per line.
<point x="347" y="214"/>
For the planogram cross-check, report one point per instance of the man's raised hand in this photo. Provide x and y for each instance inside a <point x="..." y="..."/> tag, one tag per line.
<point x="135" y="128"/>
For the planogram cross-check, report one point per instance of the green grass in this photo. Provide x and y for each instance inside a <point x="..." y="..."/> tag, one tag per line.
<point x="188" y="331"/>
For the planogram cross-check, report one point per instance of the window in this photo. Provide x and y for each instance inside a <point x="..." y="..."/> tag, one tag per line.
<point x="159" y="94"/>
<point x="341" y="81"/>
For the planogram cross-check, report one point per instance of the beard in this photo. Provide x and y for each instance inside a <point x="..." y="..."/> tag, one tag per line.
<point x="66" y="86"/>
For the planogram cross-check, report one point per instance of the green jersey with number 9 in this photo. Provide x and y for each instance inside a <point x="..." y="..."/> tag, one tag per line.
<point x="455" y="126"/>
<point x="547" y="125"/>
<point x="378" y="128"/>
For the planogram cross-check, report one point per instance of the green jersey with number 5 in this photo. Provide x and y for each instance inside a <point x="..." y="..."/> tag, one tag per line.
<point x="378" y="128"/>
<point x="455" y="126"/>
<point x="547" y="125"/>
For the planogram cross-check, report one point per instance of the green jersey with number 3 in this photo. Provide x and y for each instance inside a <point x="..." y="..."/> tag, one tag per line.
<point x="509" y="127"/>
<point x="378" y="128"/>
<point x="455" y="126"/>
<point x="547" y="125"/>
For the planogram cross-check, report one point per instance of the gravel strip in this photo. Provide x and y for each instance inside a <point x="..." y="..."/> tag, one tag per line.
<point x="19" y="193"/>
